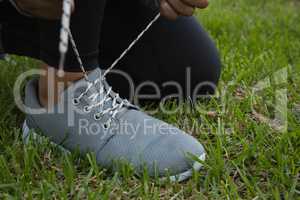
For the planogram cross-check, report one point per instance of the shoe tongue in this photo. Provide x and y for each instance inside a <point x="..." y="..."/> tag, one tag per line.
<point x="80" y="86"/>
<point x="94" y="75"/>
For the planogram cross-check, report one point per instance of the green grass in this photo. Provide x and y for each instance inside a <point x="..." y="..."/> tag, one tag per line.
<point x="247" y="158"/>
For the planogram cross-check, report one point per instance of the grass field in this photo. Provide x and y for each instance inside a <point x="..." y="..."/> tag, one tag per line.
<point x="249" y="156"/>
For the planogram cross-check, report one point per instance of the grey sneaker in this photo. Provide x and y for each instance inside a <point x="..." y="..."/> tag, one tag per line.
<point x="92" y="118"/>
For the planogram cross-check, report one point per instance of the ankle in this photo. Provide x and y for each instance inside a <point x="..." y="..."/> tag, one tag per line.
<point x="51" y="85"/>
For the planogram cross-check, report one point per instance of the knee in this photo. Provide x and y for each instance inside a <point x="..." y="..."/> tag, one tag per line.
<point x="206" y="72"/>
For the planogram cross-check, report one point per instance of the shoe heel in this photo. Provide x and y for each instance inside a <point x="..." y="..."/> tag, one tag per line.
<point x="27" y="133"/>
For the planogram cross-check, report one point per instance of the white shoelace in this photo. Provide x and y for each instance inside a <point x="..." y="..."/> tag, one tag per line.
<point x="108" y="96"/>
<point x="117" y="102"/>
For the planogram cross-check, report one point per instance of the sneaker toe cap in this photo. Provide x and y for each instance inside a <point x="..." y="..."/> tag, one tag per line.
<point x="172" y="154"/>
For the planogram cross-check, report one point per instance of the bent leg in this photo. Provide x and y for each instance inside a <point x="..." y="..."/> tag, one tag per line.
<point x="39" y="38"/>
<point x="169" y="51"/>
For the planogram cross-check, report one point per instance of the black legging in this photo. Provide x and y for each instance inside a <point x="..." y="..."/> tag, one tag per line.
<point x="164" y="54"/>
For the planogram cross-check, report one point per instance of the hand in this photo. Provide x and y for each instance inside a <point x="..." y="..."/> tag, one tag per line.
<point x="172" y="9"/>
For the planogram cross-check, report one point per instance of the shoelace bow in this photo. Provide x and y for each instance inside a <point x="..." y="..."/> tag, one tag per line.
<point x="117" y="102"/>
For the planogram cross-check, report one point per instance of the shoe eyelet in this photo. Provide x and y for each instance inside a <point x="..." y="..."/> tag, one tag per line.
<point x="86" y="109"/>
<point x="75" y="101"/>
<point x="97" y="117"/>
<point x="106" y="125"/>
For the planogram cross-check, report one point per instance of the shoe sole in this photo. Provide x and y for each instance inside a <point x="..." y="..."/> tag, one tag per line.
<point x="27" y="133"/>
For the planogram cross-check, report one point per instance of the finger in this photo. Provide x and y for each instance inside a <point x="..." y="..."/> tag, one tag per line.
<point x="181" y="8"/>
<point x="73" y="5"/>
<point x="167" y="11"/>
<point x="197" y="3"/>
